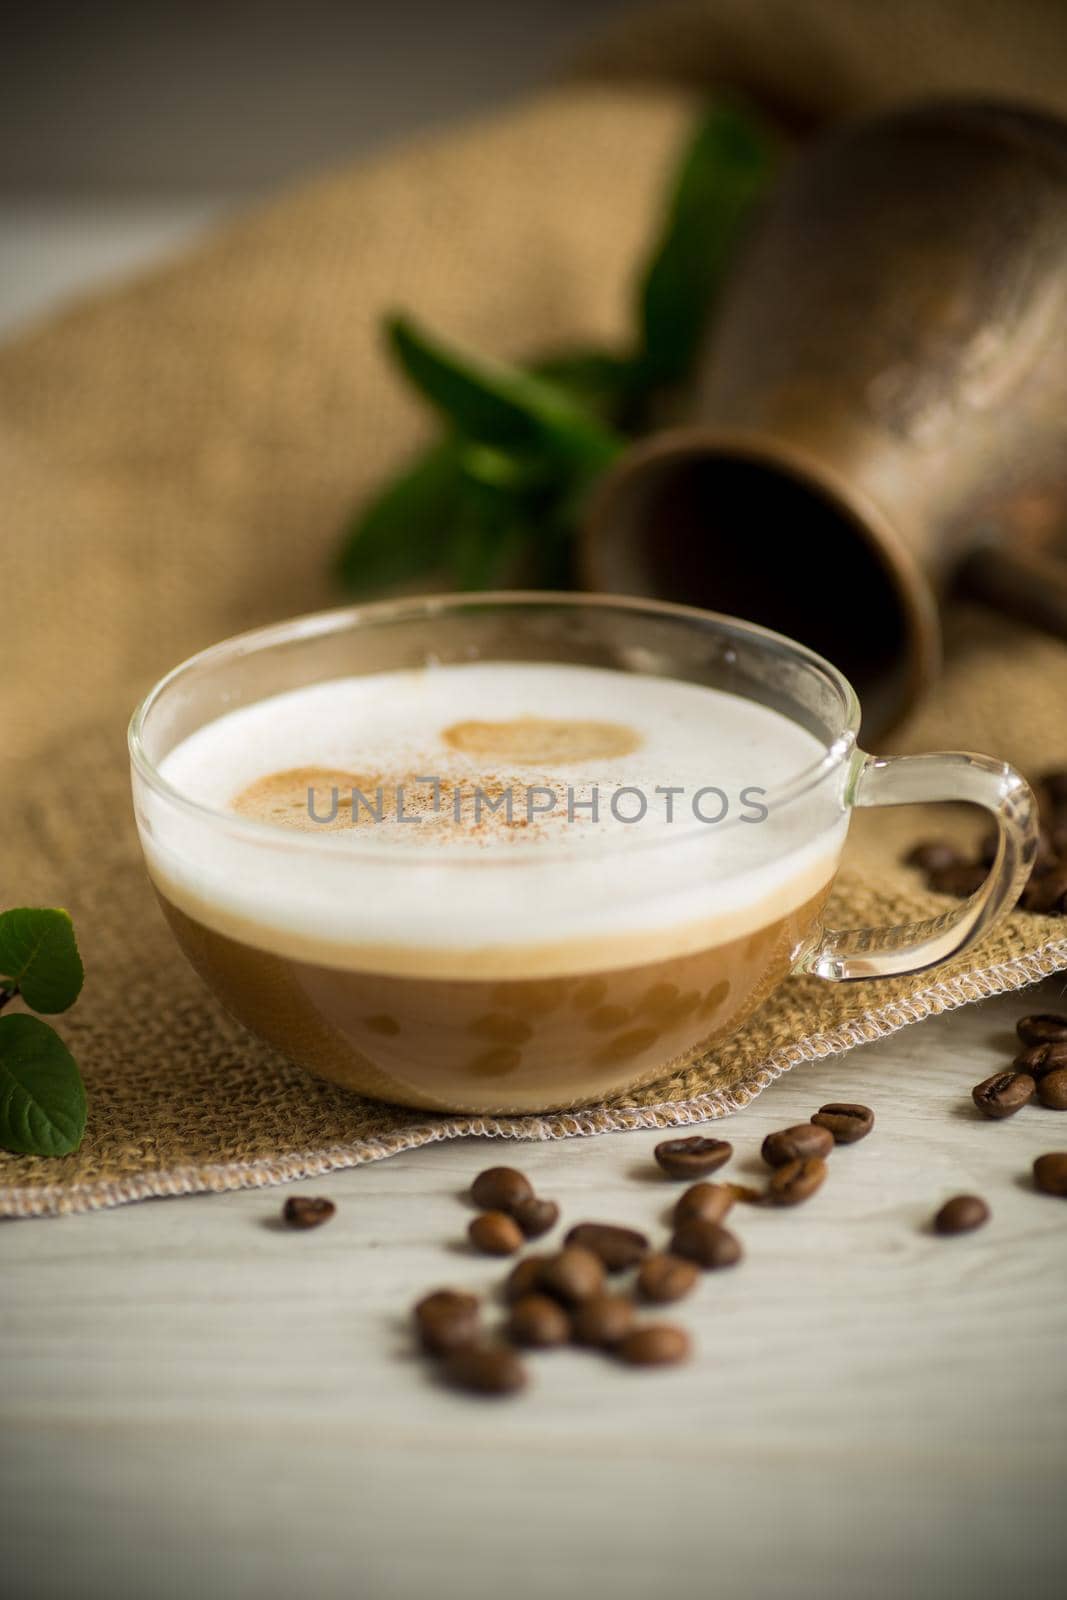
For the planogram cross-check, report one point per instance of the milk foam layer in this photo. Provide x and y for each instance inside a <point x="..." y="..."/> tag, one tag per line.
<point x="560" y="895"/>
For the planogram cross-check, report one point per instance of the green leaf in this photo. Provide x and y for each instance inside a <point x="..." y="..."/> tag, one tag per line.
<point x="39" y="954"/>
<point x="492" y="525"/>
<point x="403" y="532"/>
<point x="42" y="1097"/>
<point x="724" y="172"/>
<point x="482" y="554"/>
<point x="604" y="383"/>
<point x="500" y="405"/>
<point x="506" y="472"/>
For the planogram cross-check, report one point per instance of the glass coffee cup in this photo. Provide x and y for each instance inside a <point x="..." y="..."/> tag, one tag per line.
<point x="517" y="852"/>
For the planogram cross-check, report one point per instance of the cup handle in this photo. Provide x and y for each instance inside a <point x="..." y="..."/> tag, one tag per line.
<point x="914" y="946"/>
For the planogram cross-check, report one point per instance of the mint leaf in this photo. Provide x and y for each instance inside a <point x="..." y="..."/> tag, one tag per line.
<point x="606" y="384"/>
<point x="450" y="503"/>
<point x="501" y="405"/>
<point x="403" y="531"/>
<point x="724" y="172"/>
<point x="42" y="1097"/>
<point x="39" y="954"/>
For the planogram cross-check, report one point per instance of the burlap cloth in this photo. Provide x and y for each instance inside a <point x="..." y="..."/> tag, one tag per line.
<point x="177" y="459"/>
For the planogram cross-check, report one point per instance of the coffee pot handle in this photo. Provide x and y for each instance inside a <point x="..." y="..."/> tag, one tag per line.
<point x="913" y="946"/>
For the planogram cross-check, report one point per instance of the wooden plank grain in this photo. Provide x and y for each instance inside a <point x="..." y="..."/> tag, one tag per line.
<point x="197" y="1401"/>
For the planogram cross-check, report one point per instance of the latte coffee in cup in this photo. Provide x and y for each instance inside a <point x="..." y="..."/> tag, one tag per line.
<point x="519" y="852"/>
<point x="568" y="876"/>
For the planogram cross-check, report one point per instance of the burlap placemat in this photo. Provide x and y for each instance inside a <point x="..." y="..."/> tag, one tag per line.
<point x="177" y="459"/>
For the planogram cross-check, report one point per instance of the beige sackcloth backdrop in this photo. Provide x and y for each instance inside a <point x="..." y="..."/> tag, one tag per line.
<point x="177" y="458"/>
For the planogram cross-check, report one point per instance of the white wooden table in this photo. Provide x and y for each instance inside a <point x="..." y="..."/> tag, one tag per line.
<point x="197" y="1402"/>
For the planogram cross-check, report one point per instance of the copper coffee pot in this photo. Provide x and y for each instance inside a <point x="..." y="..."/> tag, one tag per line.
<point x="881" y="408"/>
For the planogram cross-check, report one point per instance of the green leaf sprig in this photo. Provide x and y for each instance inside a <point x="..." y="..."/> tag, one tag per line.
<point x="504" y="488"/>
<point x="42" y="1097"/>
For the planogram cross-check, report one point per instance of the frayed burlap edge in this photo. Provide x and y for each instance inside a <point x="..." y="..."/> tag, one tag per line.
<point x="51" y="1200"/>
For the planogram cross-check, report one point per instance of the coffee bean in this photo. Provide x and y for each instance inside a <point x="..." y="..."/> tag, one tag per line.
<point x="489" y="1369"/>
<point x="1043" y="1028"/>
<point x="535" y="1217"/>
<point x="1054" y="784"/>
<point x="500" y="1189"/>
<point x="1040" y="1059"/>
<point x="538" y="1321"/>
<point x="708" y="1201"/>
<point x="1047" y="809"/>
<point x="573" y="1275"/>
<point x="1046" y="893"/>
<point x="1003" y="1094"/>
<point x="1052" y="1090"/>
<point x="961" y="1214"/>
<point x="617" y="1248"/>
<point x="602" y="1320"/>
<point x="793" y="1144"/>
<point x="797" y="1181"/>
<point x="300" y="1211"/>
<point x="525" y="1277"/>
<point x="662" y="1279"/>
<point x="692" y="1158"/>
<point x="495" y="1234"/>
<point x="962" y="879"/>
<point x="707" y="1243"/>
<point x="1045" y="854"/>
<point x="846" y="1122"/>
<point x="657" y="1346"/>
<point x="933" y="855"/>
<point x="446" y="1319"/>
<point x="1050" y="1172"/>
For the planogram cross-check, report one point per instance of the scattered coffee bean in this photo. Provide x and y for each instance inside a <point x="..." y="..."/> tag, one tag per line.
<point x="485" y="1369"/>
<point x="1046" y="893"/>
<point x="846" y="1122"/>
<point x="524" y="1277"/>
<point x="446" y="1319"/>
<point x="962" y="879"/>
<point x="500" y="1189"/>
<point x="602" y="1320"/>
<point x="301" y="1211"/>
<point x="1045" y="856"/>
<point x="618" y="1248"/>
<point x="657" y="1346"/>
<point x="1050" y="1172"/>
<point x="1052" y="1090"/>
<point x="661" y="1279"/>
<point x="1003" y="1094"/>
<point x="495" y="1234"/>
<point x="933" y="855"/>
<point x="961" y="1214"/>
<point x="692" y="1158"/>
<point x="1039" y="1059"/>
<point x="1044" y="1027"/>
<point x="990" y="844"/>
<point x="573" y="1275"/>
<point x="538" y="1321"/>
<point x="535" y="1217"/>
<point x="797" y="1181"/>
<point x="793" y="1144"/>
<point x="709" y="1244"/>
<point x="708" y="1201"/>
<point x="1054" y="783"/>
